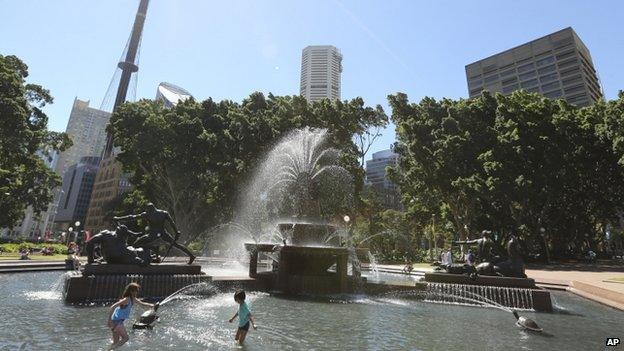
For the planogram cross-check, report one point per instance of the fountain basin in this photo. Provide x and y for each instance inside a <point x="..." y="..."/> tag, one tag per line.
<point x="304" y="269"/>
<point x="104" y="283"/>
<point x="498" y="288"/>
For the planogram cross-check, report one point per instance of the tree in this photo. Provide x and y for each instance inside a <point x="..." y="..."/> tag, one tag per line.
<point x="515" y="164"/>
<point x="439" y="144"/>
<point x="194" y="158"/>
<point x="24" y="142"/>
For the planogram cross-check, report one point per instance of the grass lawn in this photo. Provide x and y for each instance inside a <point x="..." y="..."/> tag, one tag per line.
<point x="11" y="256"/>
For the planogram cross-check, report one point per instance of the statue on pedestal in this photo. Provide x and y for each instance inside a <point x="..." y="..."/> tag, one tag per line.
<point x="155" y="231"/>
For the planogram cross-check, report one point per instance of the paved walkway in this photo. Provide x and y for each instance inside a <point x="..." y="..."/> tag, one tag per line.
<point x="587" y="280"/>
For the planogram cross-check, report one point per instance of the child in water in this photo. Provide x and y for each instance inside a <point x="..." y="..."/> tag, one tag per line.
<point x="244" y="317"/>
<point x="120" y="311"/>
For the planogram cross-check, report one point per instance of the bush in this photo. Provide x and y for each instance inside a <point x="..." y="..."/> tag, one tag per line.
<point x="16" y="248"/>
<point x="196" y="246"/>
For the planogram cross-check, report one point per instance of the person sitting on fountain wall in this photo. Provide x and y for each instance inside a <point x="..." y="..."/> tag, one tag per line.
<point x="244" y="317"/>
<point x="447" y="257"/>
<point x="120" y="311"/>
<point x="156" y="234"/>
<point x="484" y="245"/>
<point x="470" y="258"/>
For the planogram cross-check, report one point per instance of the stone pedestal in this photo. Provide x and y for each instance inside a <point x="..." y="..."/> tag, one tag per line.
<point x="304" y="269"/>
<point x="102" y="283"/>
<point x="540" y="298"/>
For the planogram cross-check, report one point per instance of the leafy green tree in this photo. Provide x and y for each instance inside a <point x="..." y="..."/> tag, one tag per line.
<point x="542" y="169"/>
<point x="194" y="158"/>
<point x="24" y="140"/>
<point x="440" y="143"/>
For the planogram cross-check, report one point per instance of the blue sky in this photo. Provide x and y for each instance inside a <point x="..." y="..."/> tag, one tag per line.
<point x="228" y="49"/>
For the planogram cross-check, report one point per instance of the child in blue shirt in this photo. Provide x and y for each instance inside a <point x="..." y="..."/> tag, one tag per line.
<point x="120" y="311"/>
<point x="244" y="317"/>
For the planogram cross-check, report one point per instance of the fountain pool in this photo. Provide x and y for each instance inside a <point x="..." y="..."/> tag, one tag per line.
<point x="34" y="317"/>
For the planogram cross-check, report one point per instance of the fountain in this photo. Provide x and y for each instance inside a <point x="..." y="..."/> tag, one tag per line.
<point x="301" y="179"/>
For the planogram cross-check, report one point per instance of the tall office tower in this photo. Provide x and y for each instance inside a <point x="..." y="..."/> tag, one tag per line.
<point x="76" y="192"/>
<point x="556" y="66"/>
<point x="377" y="177"/>
<point x="320" y="72"/>
<point x="87" y="130"/>
<point x="171" y="94"/>
<point x="110" y="181"/>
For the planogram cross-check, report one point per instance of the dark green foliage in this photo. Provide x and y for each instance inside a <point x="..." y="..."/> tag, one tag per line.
<point x="194" y="159"/>
<point x="24" y="140"/>
<point x="514" y="163"/>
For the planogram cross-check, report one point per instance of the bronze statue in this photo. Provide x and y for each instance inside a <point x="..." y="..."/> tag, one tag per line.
<point x="490" y="264"/>
<point x="514" y="265"/>
<point x="155" y="231"/>
<point x="115" y="249"/>
<point x="484" y="246"/>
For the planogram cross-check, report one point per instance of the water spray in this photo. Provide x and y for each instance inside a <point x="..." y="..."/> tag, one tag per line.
<point x="148" y="318"/>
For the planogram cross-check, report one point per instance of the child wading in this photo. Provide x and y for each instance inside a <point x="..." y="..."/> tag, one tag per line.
<point x="244" y="317"/>
<point x="120" y="311"/>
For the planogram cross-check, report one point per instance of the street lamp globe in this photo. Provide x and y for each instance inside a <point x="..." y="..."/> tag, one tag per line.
<point x="77" y="224"/>
<point x="70" y="229"/>
<point x="346" y="218"/>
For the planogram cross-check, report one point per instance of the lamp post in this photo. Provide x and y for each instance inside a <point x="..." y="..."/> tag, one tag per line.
<point x="346" y="219"/>
<point x="70" y="230"/>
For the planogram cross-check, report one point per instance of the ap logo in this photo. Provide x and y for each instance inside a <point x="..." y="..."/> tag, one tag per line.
<point x="613" y="341"/>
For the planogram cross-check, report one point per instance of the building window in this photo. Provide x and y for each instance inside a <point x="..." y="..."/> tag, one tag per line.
<point x="528" y="83"/>
<point x="508" y="89"/>
<point x="553" y="94"/>
<point x="475" y="83"/>
<point x="545" y="61"/>
<point x="548" y="78"/>
<point x="508" y="73"/>
<point x="545" y="70"/>
<point x="568" y="63"/>
<point x="565" y="55"/>
<point x="525" y="68"/>
<point x="572" y="80"/>
<point x="527" y="75"/>
<point x="510" y="80"/>
<point x="577" y="98"/>
<point x="574" y="89"/>
<point x="491" y="79"/>
<point x="475" y="91"/>
<point x="550" y="86"/>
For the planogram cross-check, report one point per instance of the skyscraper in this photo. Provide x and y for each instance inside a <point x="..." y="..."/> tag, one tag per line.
<point x="557" y="66"/>
<point x="87" y="130"/>
<point x="321" y="66"/>
<point x="77" y="186"/>
<point x="377" y="177"/>
<point x="171" y="94"/>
